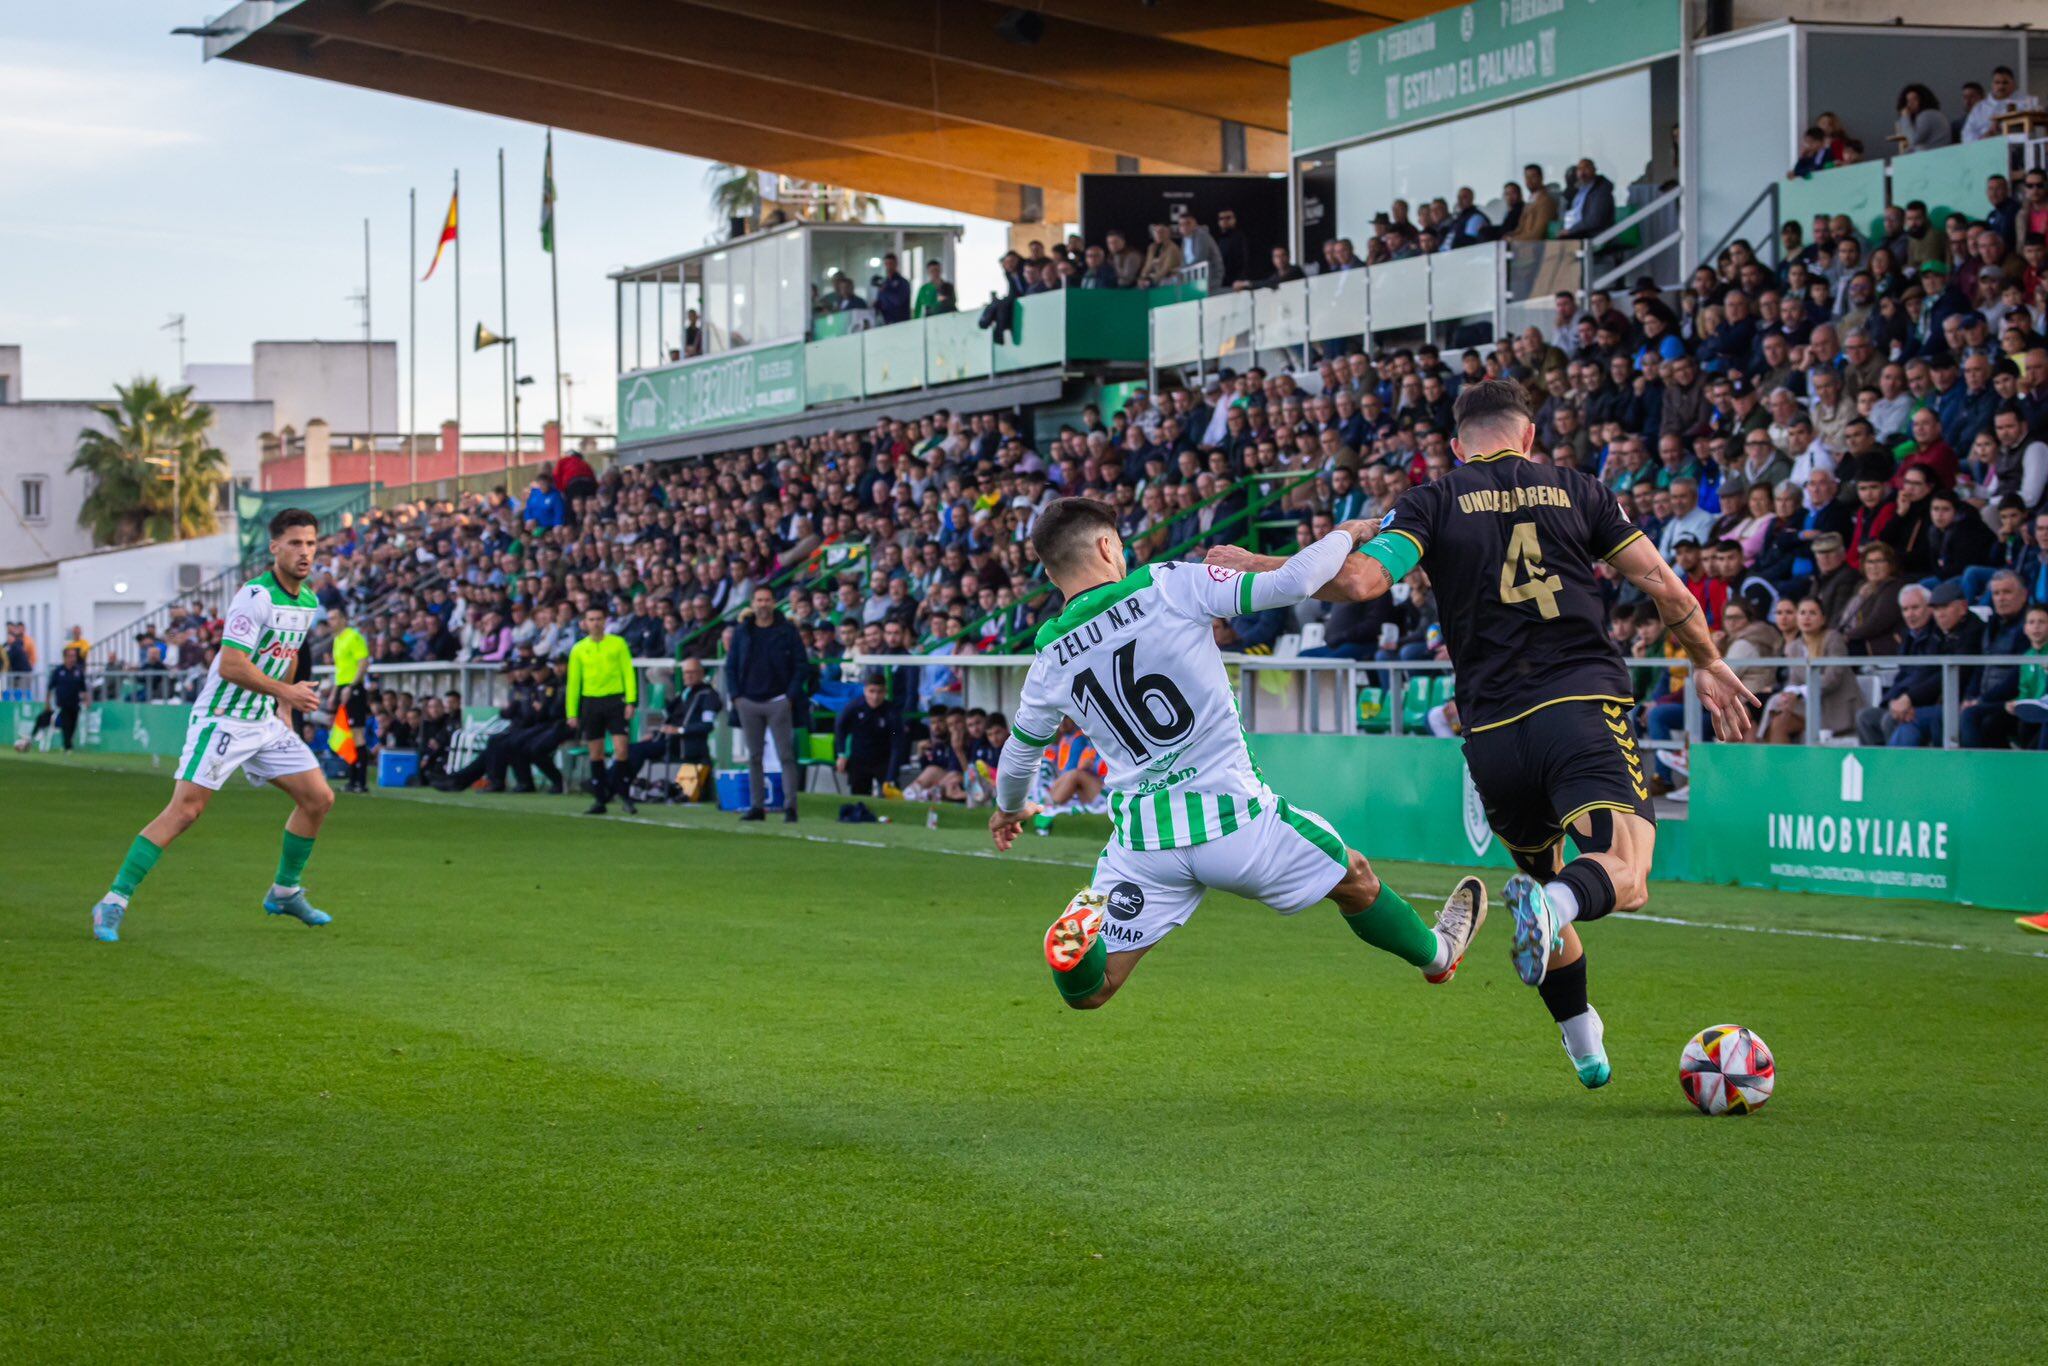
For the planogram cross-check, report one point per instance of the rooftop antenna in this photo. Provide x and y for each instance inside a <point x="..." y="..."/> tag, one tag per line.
<point x="177" y="324"/>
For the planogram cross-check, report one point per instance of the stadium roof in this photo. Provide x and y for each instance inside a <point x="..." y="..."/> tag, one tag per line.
<point x="978" y="107"/>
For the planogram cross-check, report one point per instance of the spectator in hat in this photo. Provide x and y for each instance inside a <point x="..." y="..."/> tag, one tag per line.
<point x="1908" y="713"/>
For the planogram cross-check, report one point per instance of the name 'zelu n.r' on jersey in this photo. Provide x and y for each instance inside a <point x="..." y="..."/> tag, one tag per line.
<point x="1135" y="664"/>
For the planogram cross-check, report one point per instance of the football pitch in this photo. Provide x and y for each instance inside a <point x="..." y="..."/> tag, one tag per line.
<point x="664" y="1089"/>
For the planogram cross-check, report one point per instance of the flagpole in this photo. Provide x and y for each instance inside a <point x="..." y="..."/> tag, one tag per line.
<point x="457" y="201"/>
<point x="412" y="337"/>
<point x="369" y="364"/>
<point x="504" y="303"/>
<point x="555" y="284"/>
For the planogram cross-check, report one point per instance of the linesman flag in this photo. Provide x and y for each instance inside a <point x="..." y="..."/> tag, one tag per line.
<point x="547" y="196"/>
<point x="447" y="236"/>
<point x="340" y="738"/>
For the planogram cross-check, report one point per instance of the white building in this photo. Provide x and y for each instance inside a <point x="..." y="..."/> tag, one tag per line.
<point x="105" y="590"/>
<point x="286" y="384"/>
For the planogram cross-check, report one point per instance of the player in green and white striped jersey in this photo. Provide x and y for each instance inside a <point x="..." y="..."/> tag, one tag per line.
<point x="234" y="724"/>
<point x="1133" y="660"/>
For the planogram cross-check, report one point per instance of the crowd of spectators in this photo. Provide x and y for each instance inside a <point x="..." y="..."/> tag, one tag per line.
<point x="1843" y="449"/>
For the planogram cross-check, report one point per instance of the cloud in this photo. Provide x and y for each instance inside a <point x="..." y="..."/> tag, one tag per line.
<point x="58" y="118"/>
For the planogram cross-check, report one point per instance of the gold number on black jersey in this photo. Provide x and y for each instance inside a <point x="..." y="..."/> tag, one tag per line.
<point x="1525" y="557"/>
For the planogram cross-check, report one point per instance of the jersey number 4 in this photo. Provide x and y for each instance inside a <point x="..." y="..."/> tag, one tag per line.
<point x="1151" y="703"/>
<point x="1522" y="577"/>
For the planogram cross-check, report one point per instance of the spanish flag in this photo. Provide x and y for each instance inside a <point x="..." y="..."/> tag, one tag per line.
<point x="340" y="738"/>
<point x="447" y="236"/>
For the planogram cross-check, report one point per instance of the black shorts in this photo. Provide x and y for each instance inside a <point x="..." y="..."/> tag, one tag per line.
<point x="598" y="717"/>
<point x="1539" y="774"/>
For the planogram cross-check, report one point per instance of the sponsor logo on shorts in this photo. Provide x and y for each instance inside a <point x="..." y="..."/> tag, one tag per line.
<point x="1126" y="900"/>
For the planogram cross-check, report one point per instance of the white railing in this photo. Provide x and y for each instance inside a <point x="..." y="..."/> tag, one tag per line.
<point x="1439" y="293"/>
<point x="1291" y="694"/>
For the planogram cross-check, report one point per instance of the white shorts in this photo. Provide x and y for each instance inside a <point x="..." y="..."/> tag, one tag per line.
<point x="1286" y="857"/>
<point x="263" y="750"/>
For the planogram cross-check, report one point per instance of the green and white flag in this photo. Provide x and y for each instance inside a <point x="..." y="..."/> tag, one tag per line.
<point x="547" y="196"/>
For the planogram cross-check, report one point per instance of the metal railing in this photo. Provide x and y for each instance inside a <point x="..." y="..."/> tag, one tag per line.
<point x="212" y="596"/>
<point x="1321" y="696"/>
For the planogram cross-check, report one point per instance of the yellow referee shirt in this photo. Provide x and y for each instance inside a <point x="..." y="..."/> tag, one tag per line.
<point x="351" y="653"/>
<point x="601" y="668"/>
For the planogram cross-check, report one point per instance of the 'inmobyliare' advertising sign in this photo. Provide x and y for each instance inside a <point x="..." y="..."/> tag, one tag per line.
<point x="712" y="391"/>
<point x="1478" y="53"/>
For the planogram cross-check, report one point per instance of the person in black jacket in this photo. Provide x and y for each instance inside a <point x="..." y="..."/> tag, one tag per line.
<point x="1957" y="538"/>
<point x="66" y="695"/>
<point x="764" y="659"/>
<point x="868" y="733"/>
<point x="684" y="733"/>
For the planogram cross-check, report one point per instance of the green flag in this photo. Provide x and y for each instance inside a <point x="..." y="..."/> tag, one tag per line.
<point x="547" y="196"/>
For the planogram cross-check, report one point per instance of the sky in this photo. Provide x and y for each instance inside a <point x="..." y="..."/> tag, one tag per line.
<point x="138" y="182"/>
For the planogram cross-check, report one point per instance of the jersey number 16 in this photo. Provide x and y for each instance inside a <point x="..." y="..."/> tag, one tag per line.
<point x="1524" y="562"/>
<point x="1137" y="704"/>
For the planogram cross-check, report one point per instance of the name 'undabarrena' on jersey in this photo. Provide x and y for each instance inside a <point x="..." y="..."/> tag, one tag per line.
<point x="270" y="626"/>
<point x="1135" y="663"/>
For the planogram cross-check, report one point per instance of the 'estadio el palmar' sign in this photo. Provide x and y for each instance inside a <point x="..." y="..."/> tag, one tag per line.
<point x="711" y="392"/>
<point x="1475" y="54"/>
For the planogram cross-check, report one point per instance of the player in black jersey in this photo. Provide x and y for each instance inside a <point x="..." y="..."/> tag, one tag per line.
<point x="1543" y="695"/>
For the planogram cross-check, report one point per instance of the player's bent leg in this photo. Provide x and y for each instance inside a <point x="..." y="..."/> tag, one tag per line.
<point x="1084" y="971"/>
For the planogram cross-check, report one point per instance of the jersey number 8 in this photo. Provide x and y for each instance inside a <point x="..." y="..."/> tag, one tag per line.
<point x="1137" y="696"/>
<point x="1525" y="557"/>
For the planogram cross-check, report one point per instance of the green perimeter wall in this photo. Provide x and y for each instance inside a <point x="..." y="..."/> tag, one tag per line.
<point x="1923" y="824"/>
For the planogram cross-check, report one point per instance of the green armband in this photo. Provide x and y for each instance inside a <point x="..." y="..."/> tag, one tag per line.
<point x="1397" y="552"/>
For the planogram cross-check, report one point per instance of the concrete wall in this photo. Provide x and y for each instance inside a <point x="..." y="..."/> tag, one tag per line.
<point x="106" y="591"/>
<point x="37" y="440"/>
<point x="324" y="379"/>
<point x="10" y="374"/>
<point x="1746" y="111"/>
<point x="222" y="383"/>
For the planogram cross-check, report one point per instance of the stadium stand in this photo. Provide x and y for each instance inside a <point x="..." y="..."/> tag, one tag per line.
<point x="1771" y="425"/>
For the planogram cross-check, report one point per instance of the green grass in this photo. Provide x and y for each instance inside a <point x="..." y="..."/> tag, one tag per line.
<point x="552" y="1087"/>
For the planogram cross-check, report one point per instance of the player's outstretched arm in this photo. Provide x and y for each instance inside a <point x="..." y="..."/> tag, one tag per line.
<point x="1357" y="578"/>
<point x="1721" y="692"/>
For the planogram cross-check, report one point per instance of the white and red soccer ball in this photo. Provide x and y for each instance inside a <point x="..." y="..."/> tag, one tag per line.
<point x="1727" y="1070"/>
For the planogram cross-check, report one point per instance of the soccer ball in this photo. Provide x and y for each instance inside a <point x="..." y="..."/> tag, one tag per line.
<point x="1726" y="1070"/>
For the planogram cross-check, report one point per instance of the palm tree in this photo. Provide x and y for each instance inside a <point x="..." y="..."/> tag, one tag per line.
<point x="738" y="197"/>
<point x="153" y="449"/>
<point x="735" y="194"/>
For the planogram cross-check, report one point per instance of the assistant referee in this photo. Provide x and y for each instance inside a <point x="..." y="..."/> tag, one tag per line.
<point x="351" y="660"/>
<point x="601" y="694"/>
